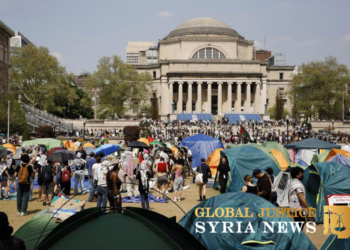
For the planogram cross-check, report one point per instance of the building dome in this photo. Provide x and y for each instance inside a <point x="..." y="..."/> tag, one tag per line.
<point x="203" y="26"/>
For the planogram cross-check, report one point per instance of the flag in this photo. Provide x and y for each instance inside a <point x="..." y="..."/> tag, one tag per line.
<point x="244" y="132"/>
<point x="150" y="139"/>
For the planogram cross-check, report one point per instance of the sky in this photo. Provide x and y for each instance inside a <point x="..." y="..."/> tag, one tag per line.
<point x="80" y="32"/>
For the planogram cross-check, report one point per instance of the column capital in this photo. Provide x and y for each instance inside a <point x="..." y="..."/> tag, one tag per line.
<point x="258" y="83"/>
<point x="180" y="82"/>
<point x="199" y="82"/>
<point x="220" y="83"/>
<point x="171" y="82"/>
<point x="239" y="83"/>
<point x="190" y="82"/>
<point x="230" y="83"/>
<point x="248" y="83"/>
<point x="209" y="83"/>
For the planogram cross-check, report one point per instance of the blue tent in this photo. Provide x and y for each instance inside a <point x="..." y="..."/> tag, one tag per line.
<point x="245" y="241"/>
<point x="311" y="143"/>
<point x="324" y="179"/>
<point x="244" y="159"/>
<point x="333" y="243"/>
<point x="201" y="146"/>
<point x="106" y="149"/>
<point x="340" y="159"/>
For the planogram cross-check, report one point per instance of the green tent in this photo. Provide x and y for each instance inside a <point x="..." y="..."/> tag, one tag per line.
<point x="244" y="159"/>
<point x="334" y="243"/>
<point x="311" y="143"/>
<point x="274" y="145"/>
<point x="135" y="228"/>
<point x="49" y="143"/>
<point x="245" y="241"/>
<point x="324" y="179"/>
<point x="319" y="157"/>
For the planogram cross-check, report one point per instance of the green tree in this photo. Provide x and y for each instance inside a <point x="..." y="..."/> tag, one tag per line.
<point x="120" y="86"/>
<point x="38" y="77"/>
<point x="319" y="88"/>
<point x="272" y="112"/>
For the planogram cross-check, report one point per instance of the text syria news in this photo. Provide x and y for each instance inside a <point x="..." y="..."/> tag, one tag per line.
<point x="237" y="227"/>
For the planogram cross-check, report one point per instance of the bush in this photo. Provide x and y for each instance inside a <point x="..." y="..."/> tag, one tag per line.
<point x="45" y="132"/>
<point x="131" y="133"/>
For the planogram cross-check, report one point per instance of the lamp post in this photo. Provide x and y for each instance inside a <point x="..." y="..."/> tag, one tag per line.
<point x="8" y="123"/>
<point x="332" y="125"/>
<point x="84" y="127"/>
<point x="59" y="128"/>
<point x="287" y="119"/>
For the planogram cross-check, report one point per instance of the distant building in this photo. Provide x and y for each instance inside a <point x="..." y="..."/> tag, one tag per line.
<point x="141" y="53"/>
<point x="18" y="41"/>
<point x="5" y="35"/>
<point x="278" y="59"/>
<point x="81" y="80"/>
<point x="262" y="55"/>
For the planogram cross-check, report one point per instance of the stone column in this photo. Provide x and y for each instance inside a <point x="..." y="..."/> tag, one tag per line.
<point x="209" y="98"/>
<point x="263" y="97"/>
<point x="164" y="104"/>
<point x="179" y="101"/>
<point x="257" y="98"/>
<point x="238" y="98"/>
<point x="247" y="102"/>
<point x="219" y="98"/>
<point x="189" y="97"/>
<point x="199" y="97"/>
<point x="229" y="96"/>
<point x="171" y="97"/>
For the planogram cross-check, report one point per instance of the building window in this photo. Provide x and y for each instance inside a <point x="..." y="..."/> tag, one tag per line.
<point x="176" y="88"/>
<point x="132" y="58"/>
<point x="135" y="107"/>
<point x="208" y="53"/>
<point x="281" y="93"/>
<point x="1" y="52"/>
<point x="193" y="106"/>
<point x="154" y="74"/>
<point x="184" y="105"/>
<point x="281" y="76"/>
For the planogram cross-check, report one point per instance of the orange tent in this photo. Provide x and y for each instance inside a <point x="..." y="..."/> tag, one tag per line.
<point x="144" y="140"/>
<point x="282" y="162"/>
<point x="175" y="150"/>
<point x="214" y="160"/>
<point x="10" y="147"/>
<point x="88" y="145"/>
<point x="70" y="145"/>
<point x="334" y="152"/>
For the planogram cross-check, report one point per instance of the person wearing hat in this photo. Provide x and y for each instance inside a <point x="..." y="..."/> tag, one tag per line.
<point x="113" y="186"/>
<point x="7" y="241"/>
<point x="264" y="184"/>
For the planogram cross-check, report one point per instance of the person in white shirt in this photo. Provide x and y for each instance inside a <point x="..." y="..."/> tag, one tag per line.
<point x="94" y="177"/>
<point x="101" y="190"/>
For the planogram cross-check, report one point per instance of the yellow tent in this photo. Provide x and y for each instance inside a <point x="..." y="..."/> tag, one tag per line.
<point x="282" y="162"/>
<point x="10" y="147"/>
<point x="214" y="160"/>
<point x="88" y="145"/>
<point x="70" y="145"/>
<point x="334" y="152"/>
<point x="144" y="140"/>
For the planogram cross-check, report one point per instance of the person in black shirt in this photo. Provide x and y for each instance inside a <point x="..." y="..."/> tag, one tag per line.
<point x="264" y="184"/>
<point x="82" y="151"/>
<point x="143" y="177"/>
<point x="249" y="187"/>
<point x="223" y="173"/>
<point x="205" y="170"/>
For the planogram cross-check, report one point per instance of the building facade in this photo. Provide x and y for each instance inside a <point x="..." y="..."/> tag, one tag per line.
<point x="5" y="35"/>
<point x="206" y="67"/>
<point x="136" y="53"/>
<point x="18" y="41"/>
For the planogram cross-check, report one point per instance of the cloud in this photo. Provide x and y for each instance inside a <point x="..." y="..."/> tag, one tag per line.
<point x="308" y="43"/>
<point x="258" y="45"/>
<point x="164" y="14"/>
<point x="59" y="56"/>
<point x="346" y="38"/>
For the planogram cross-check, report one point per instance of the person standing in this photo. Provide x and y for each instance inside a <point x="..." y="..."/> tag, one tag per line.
<point x="47" y="173"/>
<point x="79" y="173"/>
<point x="66" y="175"/>
<point x="178" y="181"/>
<point x="7" y="241"/>
<point x="24" y="172"/>
<point x="113" y="187"/>
<point x="94" y="178"/>
<point x="88" y="165"/>
<point x="11" y="167"/>
<point x="249" y="187"/>
<point x="223" y="174"/>
<point x="101" y="190"/>
<point x="129" y="176"/>
<point x="82" y="152"/>
<point x="205" y="170"/>
<point x="162" y="179"/>
<point x="143" y="177"/>
<point x="264" y="184"/>
<point x="297" y="194"/>
<point x="3" y="174"/>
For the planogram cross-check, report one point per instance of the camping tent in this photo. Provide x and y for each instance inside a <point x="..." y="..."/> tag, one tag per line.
<point x="214" y="160"/>
<point x="82" y="230"/>
<point x="144" y="140"/>
<point x="311" y="143"/>
<point x="340" y="159"/>
<point x="47" y="142"/>
<point x="324" y="179"/>
<point x="252" y="240"/>
<point x="201" y="146"/>
<point x="70" y="145"/>
<point x="283" y="163"/>
<point x="319" y="157"/>
<point x="276" y="146"/>
<point x="11" y="147"/>
<point x="244" y="159"/>
<point x="334" y="243"/>
<point x="334" y="152"/>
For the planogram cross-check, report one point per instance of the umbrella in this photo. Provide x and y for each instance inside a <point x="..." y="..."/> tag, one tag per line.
<point x="138" y="144"/>
<point x="48" y="142"/>
<point x="144" y="140"/>
<point x="157" y="143"/>
<point x="2" y="134"/>
<point x="61" y="156"/>
<point x="53" y="150"/>
<point x="88" y="145"/>
<point x="107" y="149"/>
<point x="166" y="150"/>
<point x="3" y="152"/>
<point x="1" y="147"/>
<point x="10" y="147"/>
<point x="88" y="150"/>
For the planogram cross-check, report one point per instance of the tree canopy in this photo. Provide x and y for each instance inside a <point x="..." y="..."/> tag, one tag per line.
<point x="319" y="88"/>
<point x="120" y="85"/>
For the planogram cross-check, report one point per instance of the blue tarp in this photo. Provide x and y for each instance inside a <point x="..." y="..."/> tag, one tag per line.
<point x="244" y="159"/>
<point x="137" y="199"/>
<point x="340" y="159"/>
<point x="323" y="179"/>
<point x="201" y="146"/>
<point x="259" y="239"/>
<point x="311" y="143"/>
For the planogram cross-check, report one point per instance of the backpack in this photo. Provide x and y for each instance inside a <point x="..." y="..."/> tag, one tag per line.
<point x="23" y="174"/>
<point x="47" y="173"/>
<point x="65" y="175"/>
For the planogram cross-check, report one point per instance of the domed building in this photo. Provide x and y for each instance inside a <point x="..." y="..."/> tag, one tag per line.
<point x="204" y="68"/>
